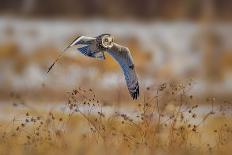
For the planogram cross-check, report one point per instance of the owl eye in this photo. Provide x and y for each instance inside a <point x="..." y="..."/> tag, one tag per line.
<point x="106" y="40"/>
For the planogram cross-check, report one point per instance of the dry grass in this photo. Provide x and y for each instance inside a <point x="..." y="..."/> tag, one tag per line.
<point x="168" y="121"/>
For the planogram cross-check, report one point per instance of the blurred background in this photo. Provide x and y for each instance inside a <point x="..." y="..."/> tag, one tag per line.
<point x="170" y="40"/>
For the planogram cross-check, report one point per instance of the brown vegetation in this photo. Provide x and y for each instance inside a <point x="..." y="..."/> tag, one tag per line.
<point x="156" y="128"/>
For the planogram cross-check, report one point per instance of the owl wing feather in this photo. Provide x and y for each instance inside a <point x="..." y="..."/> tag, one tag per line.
<point x="88" y="47"/>
<point x="123" y="56"/>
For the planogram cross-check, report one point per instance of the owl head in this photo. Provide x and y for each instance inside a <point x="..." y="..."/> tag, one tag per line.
<point x="106" y="40"/>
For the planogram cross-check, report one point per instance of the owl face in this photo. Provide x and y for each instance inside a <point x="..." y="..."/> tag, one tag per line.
<point x="107" y="41"/>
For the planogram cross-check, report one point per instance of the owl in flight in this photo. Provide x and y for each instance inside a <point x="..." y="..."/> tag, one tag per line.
<point x="96" y="47"/>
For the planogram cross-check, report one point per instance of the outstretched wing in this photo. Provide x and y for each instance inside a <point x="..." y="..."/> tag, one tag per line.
<point x="87" y="46"/>
<point x="123" y="57"/>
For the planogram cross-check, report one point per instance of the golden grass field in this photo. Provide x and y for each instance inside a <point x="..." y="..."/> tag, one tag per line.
<point x="177" y="128"/>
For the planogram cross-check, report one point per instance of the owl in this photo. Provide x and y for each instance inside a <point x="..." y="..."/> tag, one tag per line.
<point x="96" y="47"/>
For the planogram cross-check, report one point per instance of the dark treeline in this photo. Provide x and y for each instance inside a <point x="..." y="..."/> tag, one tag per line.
<point x="144" y="9"/>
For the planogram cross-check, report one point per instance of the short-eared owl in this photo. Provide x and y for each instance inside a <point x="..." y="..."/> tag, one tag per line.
<point x="95" y="47"/>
